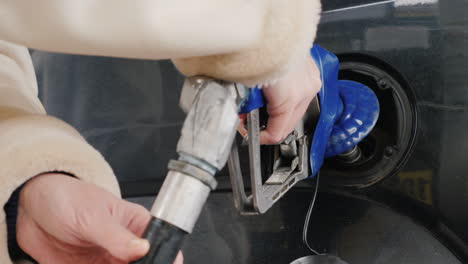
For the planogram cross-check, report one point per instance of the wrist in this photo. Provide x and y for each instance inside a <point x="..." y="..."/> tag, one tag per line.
<point x="17" y="200"/>
<point x="36" y="182"/>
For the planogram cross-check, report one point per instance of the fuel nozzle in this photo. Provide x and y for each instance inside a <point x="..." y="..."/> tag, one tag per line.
<point x="207" y="135"/>
<point x="341" y="116"/>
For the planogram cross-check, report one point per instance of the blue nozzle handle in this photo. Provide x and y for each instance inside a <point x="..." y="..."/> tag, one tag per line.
<point x="348" y="111"/>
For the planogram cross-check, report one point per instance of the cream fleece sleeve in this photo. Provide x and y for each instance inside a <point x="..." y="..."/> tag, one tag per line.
<point x="288" y="34"/>
<point x="32" y="142"/>
<point x="247" y="41"/>
<point x="150" y="29"/>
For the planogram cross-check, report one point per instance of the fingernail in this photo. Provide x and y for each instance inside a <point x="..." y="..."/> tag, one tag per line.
<point x="139" y="243"/>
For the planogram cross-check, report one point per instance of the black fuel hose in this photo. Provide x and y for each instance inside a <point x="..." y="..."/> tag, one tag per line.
<point x="165" y="242"/>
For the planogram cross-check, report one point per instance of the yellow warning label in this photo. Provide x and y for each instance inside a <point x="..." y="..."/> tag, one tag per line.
<point x="417" y="184"/>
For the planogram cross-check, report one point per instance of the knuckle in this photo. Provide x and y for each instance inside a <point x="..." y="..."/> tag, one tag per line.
<point x="276" y="137"/>
<point x="282" y="107"/>
<point x="140" y="209"/>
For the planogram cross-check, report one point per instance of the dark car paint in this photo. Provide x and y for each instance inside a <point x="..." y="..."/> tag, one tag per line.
<point x="357" y="230"/>
<point x="128" y="110"/>
<point x="427" y="45"/>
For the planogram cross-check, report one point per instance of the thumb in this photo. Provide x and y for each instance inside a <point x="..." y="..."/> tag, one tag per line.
<point x="120" y="242"/>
